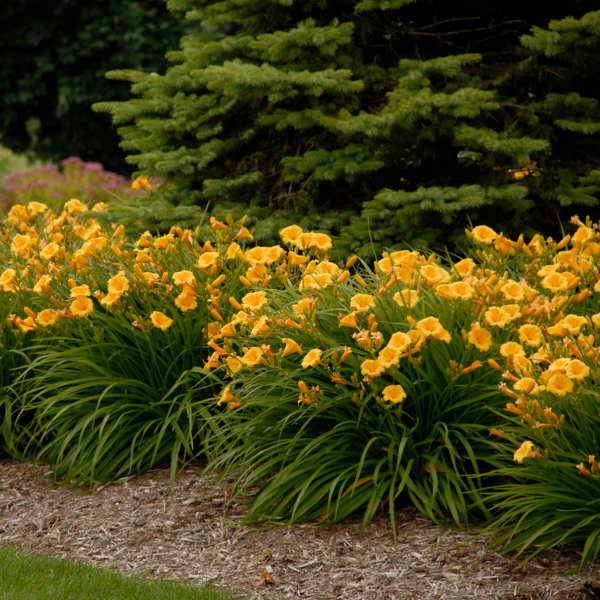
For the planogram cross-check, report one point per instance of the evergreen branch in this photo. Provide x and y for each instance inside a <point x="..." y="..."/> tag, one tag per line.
<point x="419" y="32"/>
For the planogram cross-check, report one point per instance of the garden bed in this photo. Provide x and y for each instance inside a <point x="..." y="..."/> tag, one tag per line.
<point x="184" y="530"/>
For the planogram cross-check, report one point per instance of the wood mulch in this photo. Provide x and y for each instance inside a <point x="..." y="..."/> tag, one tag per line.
<point x="183" y="530"/>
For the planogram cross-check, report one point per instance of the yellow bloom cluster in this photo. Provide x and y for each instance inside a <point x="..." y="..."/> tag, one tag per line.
<point x="530" y="323"/>
<point x="69" y="265"/>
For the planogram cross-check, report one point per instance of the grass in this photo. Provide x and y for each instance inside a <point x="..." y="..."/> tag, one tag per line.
<point x="25" y="576"/>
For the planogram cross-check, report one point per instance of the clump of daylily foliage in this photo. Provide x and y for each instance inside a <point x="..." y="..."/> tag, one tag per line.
<point x="467" y="387"/>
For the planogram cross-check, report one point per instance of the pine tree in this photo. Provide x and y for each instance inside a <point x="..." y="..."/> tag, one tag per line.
<point x="386" y="121"/>
<point x="565" y="56"/>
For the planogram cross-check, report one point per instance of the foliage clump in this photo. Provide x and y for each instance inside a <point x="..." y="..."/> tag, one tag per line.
<point x="467" y="387"/>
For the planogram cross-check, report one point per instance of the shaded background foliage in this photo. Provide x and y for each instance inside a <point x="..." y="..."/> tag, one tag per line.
<point x="53" y="57"/>
<point x="383" y="122"/>
<point x="380" y="121"/>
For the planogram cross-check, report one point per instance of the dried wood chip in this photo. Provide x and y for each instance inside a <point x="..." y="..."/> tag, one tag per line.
<point x="185" y="530"/>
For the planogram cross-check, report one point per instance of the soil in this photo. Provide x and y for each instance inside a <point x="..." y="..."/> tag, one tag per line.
<point x="188" y="531"/>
